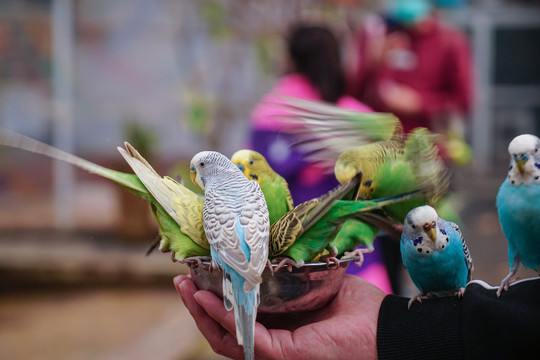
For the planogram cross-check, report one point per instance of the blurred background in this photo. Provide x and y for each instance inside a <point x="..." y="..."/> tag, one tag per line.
<point x="173" y="78"/>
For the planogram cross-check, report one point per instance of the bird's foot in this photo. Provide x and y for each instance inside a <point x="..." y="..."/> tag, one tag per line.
<point x="286" y="261"/>
<point x="460" y="292"/>
<point x="196" y="261"/>
<point x="330" y="258"/>
<point x="357" y="253"/>
<point x="418" y="297"/>
<point x="505" y="283"/>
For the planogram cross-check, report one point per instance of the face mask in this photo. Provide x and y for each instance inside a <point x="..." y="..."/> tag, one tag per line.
<point x="406" y="12"/>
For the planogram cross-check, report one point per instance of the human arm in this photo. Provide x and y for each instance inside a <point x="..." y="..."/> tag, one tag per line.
<point x="479" y="326"/>
<point x="345" y="328"/>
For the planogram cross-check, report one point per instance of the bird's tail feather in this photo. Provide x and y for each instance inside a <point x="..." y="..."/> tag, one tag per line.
<point x="245" y="313"/>
<point x="245" y="321"/>
<point x="19" y="141"/>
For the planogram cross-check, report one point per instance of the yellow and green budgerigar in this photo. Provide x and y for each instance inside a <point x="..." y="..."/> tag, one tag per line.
<point x="368" y="158"/>
<point x="176" y="209"/>
<point x="373" y="143"/>
<point x="275" y="187"/>
<point x="395" y="166"/>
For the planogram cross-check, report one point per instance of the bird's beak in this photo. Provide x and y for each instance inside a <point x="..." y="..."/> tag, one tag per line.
<point x="430" y="229"/>
<point x="520" y="163"/>
<point x="193" y="175"/>
<point x="521" y="160"/>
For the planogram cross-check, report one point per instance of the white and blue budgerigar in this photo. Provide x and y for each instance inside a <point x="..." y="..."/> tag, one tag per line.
<point x="435" y="254"/>
<point x="518" y="205"/>
<point x="237" y="224"/>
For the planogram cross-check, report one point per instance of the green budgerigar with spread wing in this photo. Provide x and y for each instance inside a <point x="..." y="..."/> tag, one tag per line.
<point x="373" y="143"/>
<point x="176" y="209"/>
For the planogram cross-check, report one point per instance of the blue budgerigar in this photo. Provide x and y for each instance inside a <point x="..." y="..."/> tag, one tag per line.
<point x="237" y="224"/>
<point x="518" y="205"/>
<point x="435" y="254"/>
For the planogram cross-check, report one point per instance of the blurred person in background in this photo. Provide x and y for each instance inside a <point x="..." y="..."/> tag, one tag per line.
<point x="314" y="73"/>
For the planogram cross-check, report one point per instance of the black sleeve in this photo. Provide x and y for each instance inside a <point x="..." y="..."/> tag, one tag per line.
<point x="479" y="326"/>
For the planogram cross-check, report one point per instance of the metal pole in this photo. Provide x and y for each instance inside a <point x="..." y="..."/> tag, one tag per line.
<point x="62" y="84"/>
<point x="482" y="126"/>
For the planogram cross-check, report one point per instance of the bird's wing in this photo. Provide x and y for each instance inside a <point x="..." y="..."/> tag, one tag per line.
<point x="182" y="205"/>
<point x="466" y="253"/>
<point x="325" y="131"/>
<point x="286" y="230"/>
<point x="189" y="209"/>
<point x="254" y="216"/>
<point x="297" y="221"/>
<point x="422" y="154"/>
<point x="227" y="232"/>
<point x="284" y="184"/>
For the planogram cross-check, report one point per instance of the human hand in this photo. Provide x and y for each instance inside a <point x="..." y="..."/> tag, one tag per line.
<point x="400" y="98"/>
<point x="345" y="328"/>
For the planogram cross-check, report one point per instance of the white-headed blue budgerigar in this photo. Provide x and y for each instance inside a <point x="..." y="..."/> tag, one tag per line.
<point x="518" y="205"/>
<point x="236" y="222"/>
<point x="435" y="254"/>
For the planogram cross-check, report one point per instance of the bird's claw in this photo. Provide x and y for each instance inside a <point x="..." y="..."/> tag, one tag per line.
<point x="505" y="284"/>
<point x="196" y="261"/>
<point x="419" y="297"/>
<point x="460" y="292"/>
<point x="286" y="261"/>
<point x="357" y="253"/>
<point x="412" y="300"/>
<point x="503" y="287"/>
<point x="327" y="259"/>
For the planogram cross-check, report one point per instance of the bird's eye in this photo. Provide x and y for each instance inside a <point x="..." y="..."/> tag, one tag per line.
<point x="413" y="226"/>
<point x="251" y="162"/>
<point x="201" y="164"/>
<point x="535" y="151"/>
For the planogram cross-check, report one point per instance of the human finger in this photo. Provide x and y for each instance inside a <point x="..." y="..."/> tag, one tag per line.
<point x="221" y="341"/>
